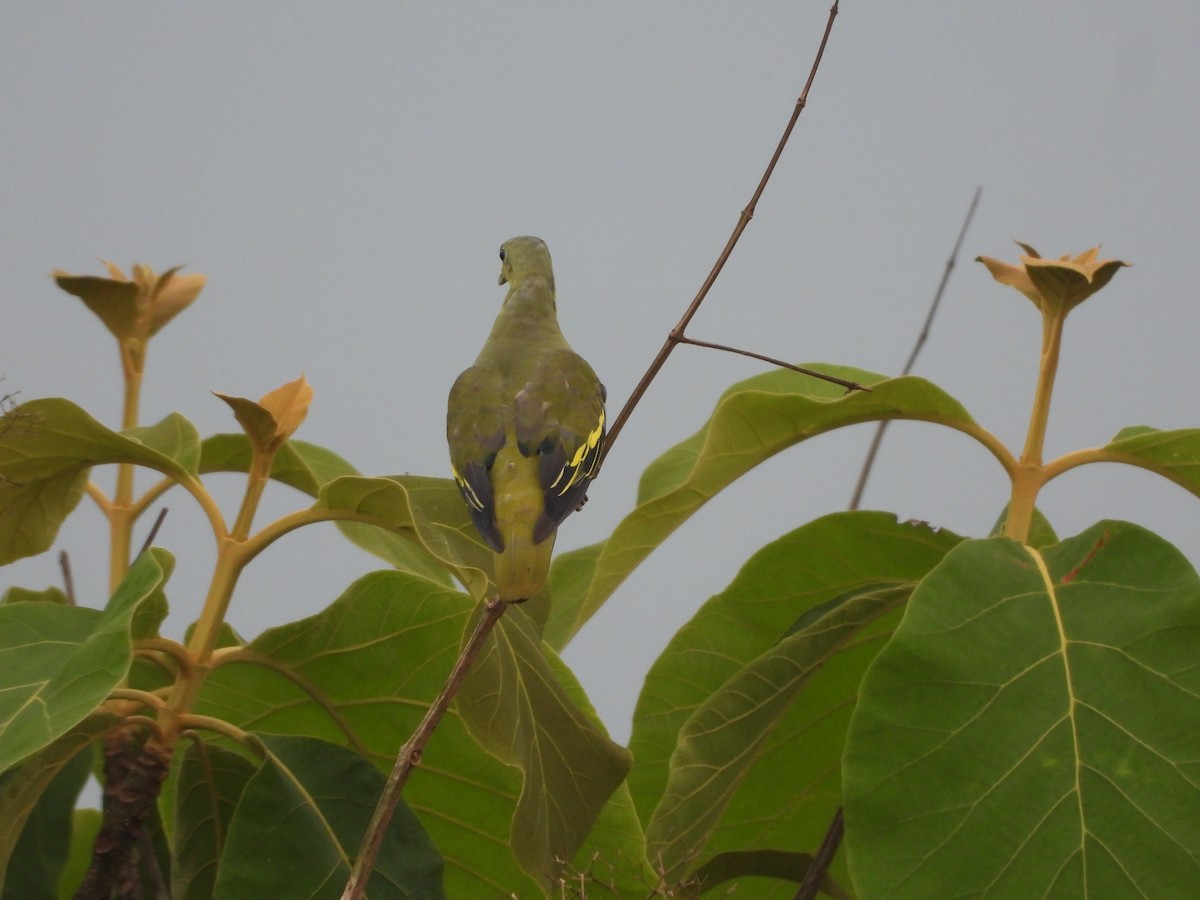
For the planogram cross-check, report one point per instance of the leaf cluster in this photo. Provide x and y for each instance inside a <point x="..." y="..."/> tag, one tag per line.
<point x="1011" y="715"/>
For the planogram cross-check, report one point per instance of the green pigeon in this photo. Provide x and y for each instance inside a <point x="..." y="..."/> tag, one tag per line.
<point x="525" y="425"/>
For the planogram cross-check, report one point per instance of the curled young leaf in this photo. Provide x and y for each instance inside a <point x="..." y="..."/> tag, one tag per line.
<point x="173" y="293"/>
<point x="113" y="301"/>
<point x="274" y="418"/>
<point x="133" y="309"/>
<point x="1055" y="285"/>
<point x="289" y="405"/>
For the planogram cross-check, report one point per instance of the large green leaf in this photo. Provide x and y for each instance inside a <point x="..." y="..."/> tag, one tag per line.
<point x="44" y="466"/>
<point x="27" y="595"/>
<point x="428" y="512"/>
<point x="174" y="437"/>
<point x="515" y="705"/>
<point x="146" y="621"/>
<point x="612" y="861"/>
<point x="298" y="464"/>
<point x="23" y="787"/>
<point x="364" y="671"/>
<point x="1031" y="729"/>
<point x="208" y="786"/>
<point x="85" y="825"/>
<point x="57" y="663"/>
<point x="726" y="735"/>
<point x="1041" y="532"/>
<point x="300" y="822"/>
<point x="42" y="850"/>
<point x="754" y="420"/>
<point x="699" y="772"/>
<point x="308" y="467"/>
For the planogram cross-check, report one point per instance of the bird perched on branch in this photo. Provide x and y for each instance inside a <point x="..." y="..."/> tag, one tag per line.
<point x="525" y="425"/>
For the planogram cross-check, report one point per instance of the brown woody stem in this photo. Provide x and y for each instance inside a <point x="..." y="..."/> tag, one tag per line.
<point x="819" y="867"/>
<point x="832" y="379"/>
<point x="410" y="754"/>
<point x="869" y="462"/>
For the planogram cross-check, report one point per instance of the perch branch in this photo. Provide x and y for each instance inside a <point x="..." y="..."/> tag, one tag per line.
<point x="410" y="754"/>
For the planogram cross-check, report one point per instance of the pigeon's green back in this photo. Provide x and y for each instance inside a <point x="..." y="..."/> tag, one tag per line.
<point x="525" y="425"/>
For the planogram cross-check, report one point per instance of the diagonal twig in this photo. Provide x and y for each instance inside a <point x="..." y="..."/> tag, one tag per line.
<point x="821" y="862"/>
<point x="410" y="754"/>
<point x="912" y="357"/>
<point x="64" y="563"/>
<point x="848" y="385"/>
<point x="149" y="542"/>
<point x="676" y="335"/>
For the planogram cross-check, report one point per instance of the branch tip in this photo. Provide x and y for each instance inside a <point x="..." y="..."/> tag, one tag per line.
<point x="676" y="334"/>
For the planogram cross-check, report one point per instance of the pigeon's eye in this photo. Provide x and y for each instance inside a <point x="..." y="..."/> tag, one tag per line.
<point x="501" y="254"/>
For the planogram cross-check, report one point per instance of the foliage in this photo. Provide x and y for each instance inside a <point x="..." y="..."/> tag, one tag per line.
<point x="1014" y="715"/>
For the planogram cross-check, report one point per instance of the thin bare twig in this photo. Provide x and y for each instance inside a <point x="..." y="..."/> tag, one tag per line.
<point x="912" y="357"/>
<point x="149" y="542"/>
<point x="820" y="864"/>
<point x="64" y="563"/>
<point x="848" y="385"/>
<point x="819" y="867"/>
<point x="410" y="754"/>
<point x="676" y="335"/>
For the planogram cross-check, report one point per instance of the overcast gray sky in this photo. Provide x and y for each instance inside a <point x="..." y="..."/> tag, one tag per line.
<point x="344" y="174"/>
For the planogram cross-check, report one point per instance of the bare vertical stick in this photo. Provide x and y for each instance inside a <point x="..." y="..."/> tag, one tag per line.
<point x="64" y="563"/>
<point x="912" y="357"/>
<point x="676" y="334"/>
<point x="410" y="754"/>
<point x="149" y="542"/>
<point x="819" y="867"/>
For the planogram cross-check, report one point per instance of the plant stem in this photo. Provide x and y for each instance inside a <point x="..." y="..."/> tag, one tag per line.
<point x="410" y="754"/>
<point x="120" y="532"/>
<point x="230" y="560"/>
<point x="819" y="867"/>
<point x="193" y="722"/>
<point x="132" y="364"/>
<point x="120" y="520"/>
<point x="233" y="553"/>
<point x="1030" y="475"/>
<point x="1052" y="328"/>
<point x="256" y="483"/>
